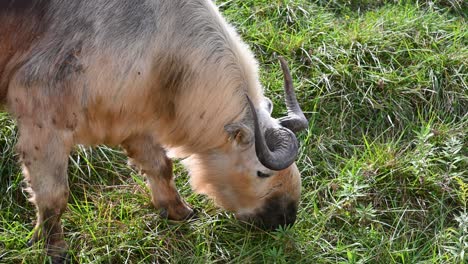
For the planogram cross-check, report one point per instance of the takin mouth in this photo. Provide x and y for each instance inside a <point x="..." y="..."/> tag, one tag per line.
<point x="277" y="211"/>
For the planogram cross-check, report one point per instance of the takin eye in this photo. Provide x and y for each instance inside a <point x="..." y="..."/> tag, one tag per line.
<point x="263" y="175"/>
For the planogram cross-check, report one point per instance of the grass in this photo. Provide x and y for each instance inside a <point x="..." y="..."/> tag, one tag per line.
<point x="384" y="162"/>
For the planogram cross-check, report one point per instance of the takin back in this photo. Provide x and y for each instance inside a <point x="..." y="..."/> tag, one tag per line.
<point x="154" y="77"/>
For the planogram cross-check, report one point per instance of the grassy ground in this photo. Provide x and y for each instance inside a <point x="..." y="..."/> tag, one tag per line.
<point x="384" y="163"/>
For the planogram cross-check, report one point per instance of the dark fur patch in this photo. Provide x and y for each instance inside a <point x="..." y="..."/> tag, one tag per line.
<point x="174" y="72"/>
<point x="277" y="212"/>
<point x="19" y="6"/>
<point x="51" y="222"/>
<point x="22" y="22"/>
<point x="70" y="65"/>
<point x="14" y="5"/>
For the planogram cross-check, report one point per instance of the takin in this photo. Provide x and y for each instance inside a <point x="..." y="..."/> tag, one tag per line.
<point x="156" y="77"/>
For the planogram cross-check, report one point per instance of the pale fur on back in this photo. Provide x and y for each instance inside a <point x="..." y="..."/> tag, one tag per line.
<point x="176" y="70"/>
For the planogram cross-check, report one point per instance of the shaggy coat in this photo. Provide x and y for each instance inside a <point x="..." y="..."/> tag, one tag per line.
<point x="151" y="76"/>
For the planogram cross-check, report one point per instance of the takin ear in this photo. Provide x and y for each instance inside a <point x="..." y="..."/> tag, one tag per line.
<point x="240" y="133"/>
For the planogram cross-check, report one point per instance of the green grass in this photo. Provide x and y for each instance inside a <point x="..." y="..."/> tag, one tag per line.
<point x="384" y="163"/>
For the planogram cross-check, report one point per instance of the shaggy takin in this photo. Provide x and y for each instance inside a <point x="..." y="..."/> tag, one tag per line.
<point x="154" y="77"/>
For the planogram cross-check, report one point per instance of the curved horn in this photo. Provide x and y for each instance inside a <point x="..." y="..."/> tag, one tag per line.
<point x="295" y="120"/>
<point x="278" y="148"/>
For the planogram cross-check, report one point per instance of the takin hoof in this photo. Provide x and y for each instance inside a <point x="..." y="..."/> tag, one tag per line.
<point x="63" y="258"/>
<point x="178" y="214"/>
<point x="58" y="252"/>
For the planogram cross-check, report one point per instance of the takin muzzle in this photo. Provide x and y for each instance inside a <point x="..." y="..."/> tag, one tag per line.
<point x="277" y="211"/>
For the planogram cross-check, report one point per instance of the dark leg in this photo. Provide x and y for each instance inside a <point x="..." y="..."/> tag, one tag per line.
<point x="44" y="155"/>
<point x="151" y="158"/>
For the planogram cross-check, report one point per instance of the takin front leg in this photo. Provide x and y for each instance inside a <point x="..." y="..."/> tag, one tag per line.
<point x="44" y="156"/>
<point x="151" y="158"/>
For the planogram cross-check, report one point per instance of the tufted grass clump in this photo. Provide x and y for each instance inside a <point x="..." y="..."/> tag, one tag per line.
<point x="384" y="161"/>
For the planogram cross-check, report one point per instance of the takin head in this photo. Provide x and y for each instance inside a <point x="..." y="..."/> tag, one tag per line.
<point x="253" y="174"/>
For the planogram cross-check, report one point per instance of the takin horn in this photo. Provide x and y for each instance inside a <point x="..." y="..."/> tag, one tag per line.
<point x="277" y="148"/>
<point x="295" y="120"/>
